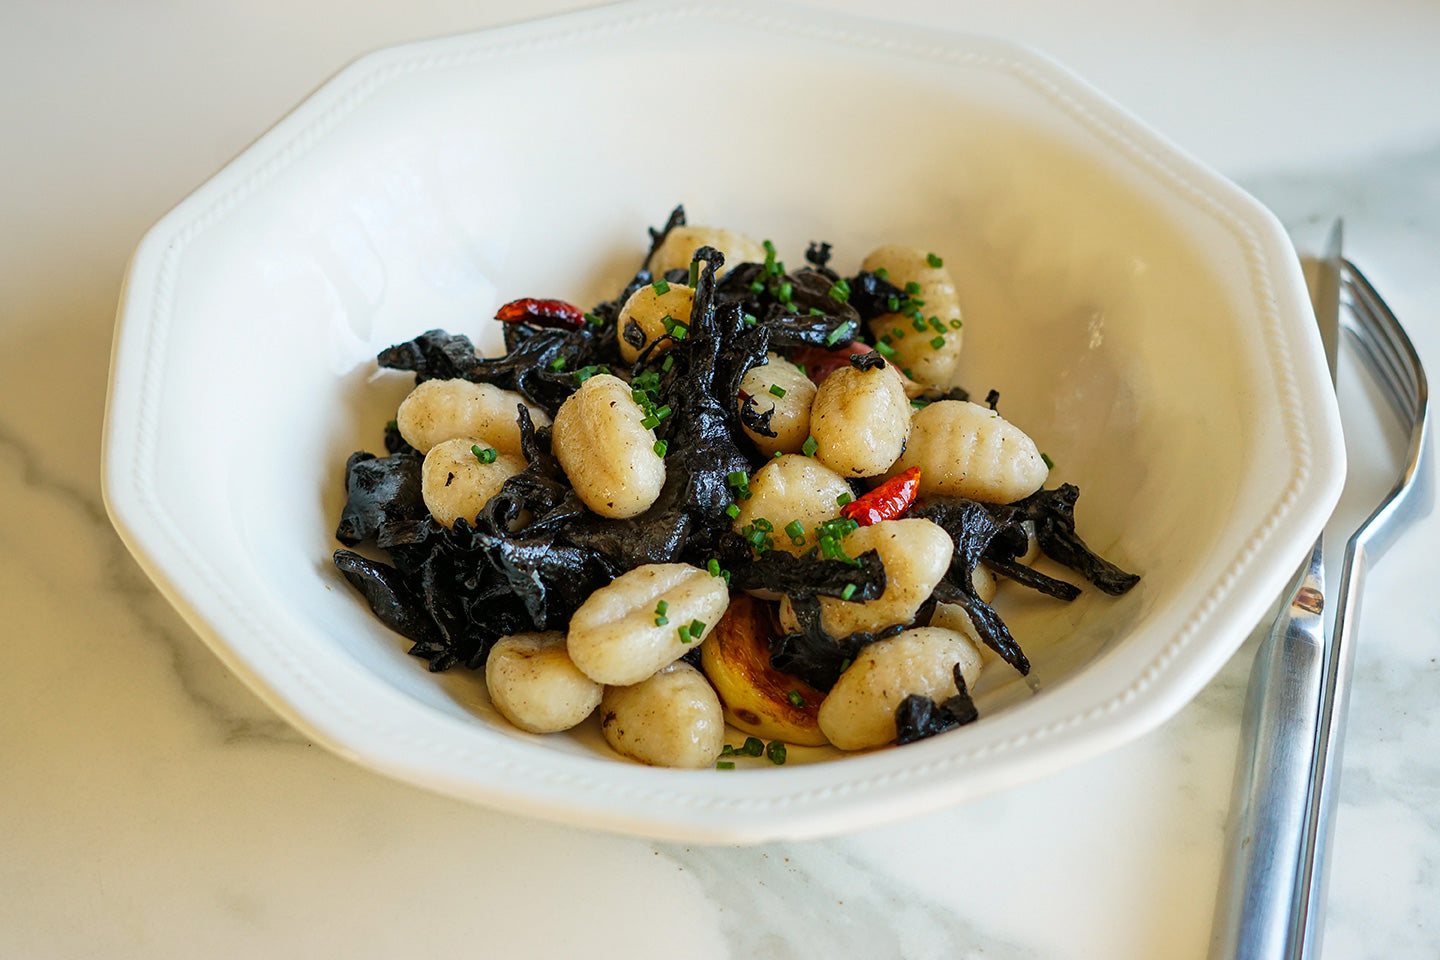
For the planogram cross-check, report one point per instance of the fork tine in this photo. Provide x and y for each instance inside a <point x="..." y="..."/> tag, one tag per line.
<point x="1380" y="366"/>
<point x="1383" y="352"/>
<point x="1382" y="321"/>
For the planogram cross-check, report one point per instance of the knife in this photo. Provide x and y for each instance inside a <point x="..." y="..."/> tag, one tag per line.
<point x="1264" y="883"/>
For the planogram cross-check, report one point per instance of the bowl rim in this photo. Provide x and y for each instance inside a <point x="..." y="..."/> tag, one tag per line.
<point x="420" y="745"/>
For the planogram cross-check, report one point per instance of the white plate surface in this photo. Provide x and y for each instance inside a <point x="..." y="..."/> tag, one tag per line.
<point x="1143" y="319"/>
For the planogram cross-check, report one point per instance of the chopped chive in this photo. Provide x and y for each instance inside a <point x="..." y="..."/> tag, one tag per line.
<point x="662" y="288"/>
<point x="848" y="592"/>
<point x="753" y="747"/>
<point x="882" y="273"/>
<point x="732" y="511"/>
<point x="936" y="325"/>
<point x="795" y="698"/>
<point x="809" y="447"/>
<point x="845" y="664"/>
<point x="795" y="530"/>
<point x="713" y="567"/>
<point x="919" y="324"/>
<point x="763" y="524"/>
<point x="595" y="320"/>
<point x="1049" y="464"/>
<point x="661" y="621"/>
<point x="816" y="312"/>
<point x="724" y="764"/>
<point x="697" y="627"/>
<point x="840" y="291"/>
<point x="884" y="349"/>
<point x="909" y="373"/>
<point x="769" y="249"/>
<point x="557" y="364"/>
<point x="899" y="333"/>
<point x="937" y="343"/>
<point x="662" y="608"/>
<point x="912" y="288"/>
<point x="737" y="478"/>
<point x="669" y="362"/>
<point x="694" y="272"/>
<point x="684" y="633"/>
<point x="800" y="367"/>
<point x="660" y="447"/>
<point x="750" y="318"/>
<point x="650" y="422"/>
<point x="728" y="751"/>
<point x="934" y="261"/>
<point x="484" y="455"/>
<point x="776" y="753"/>
<point x="843" y="499"/>
<point x="757" y="287"/>
<point x="777" y="390"/>
<point x="778" y="454"/>
<point x="787" y="290"/>
<point x="956" y="324"/>
<point x="663" y="412"/>
<point x="892" y="304"/>
<point x="680" y="332"/>
<point x="844" y="330"/>
<point x="919" y="404"/>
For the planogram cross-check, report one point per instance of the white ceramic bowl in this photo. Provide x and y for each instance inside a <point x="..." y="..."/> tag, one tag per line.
<point x="1142" y="318"/>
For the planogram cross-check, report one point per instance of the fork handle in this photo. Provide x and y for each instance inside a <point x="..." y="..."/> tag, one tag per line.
<point x="1328" y="752"/>
<point x="1256" y="915"/>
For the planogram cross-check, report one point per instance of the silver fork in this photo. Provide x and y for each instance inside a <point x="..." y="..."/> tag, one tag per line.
<point x="1391" y="359"/>
<point x="1273" y="889"/>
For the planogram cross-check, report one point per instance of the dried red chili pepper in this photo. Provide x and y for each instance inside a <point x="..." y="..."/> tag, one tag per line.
<point x="886" y="502"/>
<point x="542" y="313"/>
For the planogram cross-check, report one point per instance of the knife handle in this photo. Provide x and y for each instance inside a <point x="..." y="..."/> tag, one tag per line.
<point x="1256" y="915"/>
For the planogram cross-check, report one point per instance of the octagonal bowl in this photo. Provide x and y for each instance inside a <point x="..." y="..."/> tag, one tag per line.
<point x="1143" y="319"/>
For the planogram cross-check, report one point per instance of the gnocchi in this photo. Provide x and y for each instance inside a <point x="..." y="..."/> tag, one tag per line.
<point x="440" y="410"/>
<point x="606" y="450"/>
<point x="643" y="620"/>
<point x="791" y="489"/>
<point x="859" y="711"/>
<point x="783" y="391"/>
<point x="926" y="342"/>
<point x="535" y="686"/>
<point x="680" y="244"/>
<point x="657" y="309"/>
<point x="670" y="719"/>
<point x="966" y="450"/>
<point x="860" y="420"/>
<point x="916" y="554"/>
<point x="460" y="476"/>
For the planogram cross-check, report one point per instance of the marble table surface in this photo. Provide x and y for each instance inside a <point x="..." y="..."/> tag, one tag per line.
<point x="151" y="806"/>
